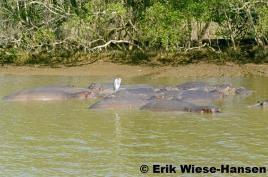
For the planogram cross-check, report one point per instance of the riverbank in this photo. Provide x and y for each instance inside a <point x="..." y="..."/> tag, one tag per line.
<point x="101" y="68"/>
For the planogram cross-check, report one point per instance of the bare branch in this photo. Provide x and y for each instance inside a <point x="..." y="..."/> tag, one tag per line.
<point x="114" y="42"/>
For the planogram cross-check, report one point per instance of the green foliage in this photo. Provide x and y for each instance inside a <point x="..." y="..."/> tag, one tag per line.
<point x="162" y="26"/>
<point x="77" y="26"/>
<point x="74" y="29"/>
<point x="44" y="36"/>
<point x="38" y="40"/>
<point x="116" y="9"/>
<point x="263" y="22"/>
<point x="8" y="55"/>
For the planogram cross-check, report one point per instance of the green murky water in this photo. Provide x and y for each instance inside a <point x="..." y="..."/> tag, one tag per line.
<point x="67" y="139"/>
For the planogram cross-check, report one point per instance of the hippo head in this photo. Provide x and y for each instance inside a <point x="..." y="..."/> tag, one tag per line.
<point x="92" y="86"/>
<point x="262" y="103"/>
<point x="96" y="88"/>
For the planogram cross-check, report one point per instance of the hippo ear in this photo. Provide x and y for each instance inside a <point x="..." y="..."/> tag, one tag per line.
<point x="92" y="86"/>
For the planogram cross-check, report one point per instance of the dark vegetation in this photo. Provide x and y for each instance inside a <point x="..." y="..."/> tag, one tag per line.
<point x="157" y="32"/>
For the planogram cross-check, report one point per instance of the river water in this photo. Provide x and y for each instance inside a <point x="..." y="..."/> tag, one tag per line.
<point x="67" y="139"/>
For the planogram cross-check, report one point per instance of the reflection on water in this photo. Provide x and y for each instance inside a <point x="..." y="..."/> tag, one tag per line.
<point x="67" y="139"/>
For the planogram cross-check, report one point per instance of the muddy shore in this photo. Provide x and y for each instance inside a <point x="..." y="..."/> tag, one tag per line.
<point x="105" y="69"/>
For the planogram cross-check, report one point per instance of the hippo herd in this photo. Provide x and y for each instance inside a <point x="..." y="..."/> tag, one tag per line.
<point x="198" y="97"/>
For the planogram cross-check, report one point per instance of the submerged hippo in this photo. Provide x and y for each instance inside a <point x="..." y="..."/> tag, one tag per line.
<point x="63" y="92"/>
<point x="101" y="89"/>
<point x="140" y="92"/>
<point x="192" y="96"/>
<point x="178" y="105"/>
<point x="194" y="86"/>
<point x="242" y="91"/>
<point x="128" y="98"/>
<point x="261" y="104"/>
<point x="119" y="103"/>
<point x="51" y="93"/>
<point x="225" y="89"/>
<point x="200" y="96"/>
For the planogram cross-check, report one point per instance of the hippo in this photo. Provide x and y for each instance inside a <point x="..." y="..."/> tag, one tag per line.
<point x="101" y="89"/>
<point x="141" y="92"/>
<point x="242" y="91"/>
<point x="51" y="93"/>
<point x="166" y="94"/>
<point x="200" y="96"/>
<point x="203" y="86"/>
<point x="105" y="89"/>
<point x="192" y="96"/>
<point x="260" y="104"/>
<point x="194" y="86"/>
<point x="229" y="90"/>
<point x="126" y="98"/>
<point x="119" y="103"/>
<point x="64" y="92"/>
<point x="178" y="105"/>
<point x="226" y="89"/>
<point x="187" y="97"/>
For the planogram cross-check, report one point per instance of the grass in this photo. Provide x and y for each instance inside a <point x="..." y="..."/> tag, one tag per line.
<point x="135" y="57"/>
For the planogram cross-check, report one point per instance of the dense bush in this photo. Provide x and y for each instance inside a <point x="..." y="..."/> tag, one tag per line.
<point x="32" y="27"/>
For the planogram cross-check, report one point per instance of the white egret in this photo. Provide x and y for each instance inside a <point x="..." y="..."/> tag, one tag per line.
<point x="117" y="83"/>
